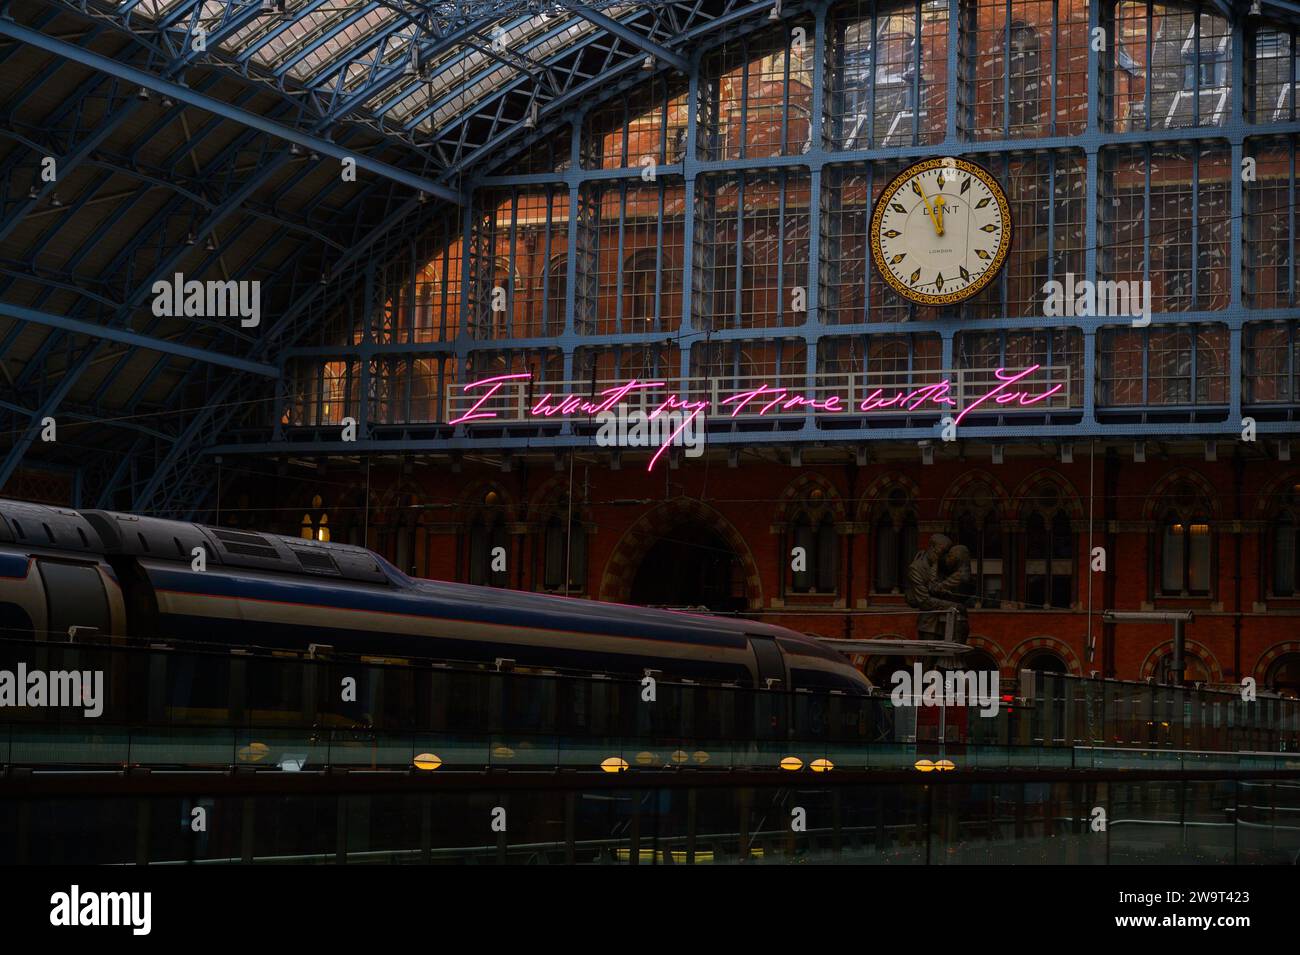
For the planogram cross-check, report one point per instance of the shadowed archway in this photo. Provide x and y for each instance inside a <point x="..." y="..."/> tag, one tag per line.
<point x="690" y="566"/>
<point x="683" y="553"/>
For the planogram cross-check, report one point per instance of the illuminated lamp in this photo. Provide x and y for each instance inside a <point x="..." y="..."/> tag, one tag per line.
<point x="253" y="752"/>
<point x="614" y="764"/>
<point x="818" y="494"/>
<point x="945" y="764"/>
<point x="503" y="752"/>
<point x="700" y="756"/>
<point x="680" y="756"/>
<point x="791" y="763"/>
<point x="491" y="498"/>
<point x="924" y="765"/>
<point x="822" y="765"/>
<point x="645" y="759"/>
<point x="427" y="762"/>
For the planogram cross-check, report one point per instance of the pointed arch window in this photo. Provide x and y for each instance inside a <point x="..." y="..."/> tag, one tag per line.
<point x="315" y="524"/>
<point x="1185" y="545"/>
<point x="488" y="551"/>
<point x="1286" y="541"/>
<point x="561" y="547"/>
<point x="1049" y="551"/>
<point x="979" y="529"/>
<point x="817" y="538"/>
<point x="896" y="542"/>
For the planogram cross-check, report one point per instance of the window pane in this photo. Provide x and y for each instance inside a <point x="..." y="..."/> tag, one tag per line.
<point x="1171" y="578"/>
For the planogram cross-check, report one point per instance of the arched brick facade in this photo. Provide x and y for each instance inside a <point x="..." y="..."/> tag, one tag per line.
<point x="1270" y="656"/>
<point x="957" y="491"/>
<point x="988" y="646"/>
<point x="798" y="494"/>
<point x="625" y="561"/>
<point x="1069" y="495"/>
<point x="1059" y="647"/>
<point x="1177" y="476"/>
<point x="1199" y="650"/>
<point x="877" y="493"/>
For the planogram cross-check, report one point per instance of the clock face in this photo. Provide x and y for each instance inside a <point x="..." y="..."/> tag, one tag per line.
<point x="941" y="231"/>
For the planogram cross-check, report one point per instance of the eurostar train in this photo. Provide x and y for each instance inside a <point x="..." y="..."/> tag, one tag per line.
<point x="121" y="575"/>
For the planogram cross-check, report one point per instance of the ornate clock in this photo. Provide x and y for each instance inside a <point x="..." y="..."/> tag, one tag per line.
<point x="941" y="231"/>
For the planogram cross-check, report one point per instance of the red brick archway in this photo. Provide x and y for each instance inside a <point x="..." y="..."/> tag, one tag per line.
<point x="625" y="561"/>
<point x="1062" y="649"/>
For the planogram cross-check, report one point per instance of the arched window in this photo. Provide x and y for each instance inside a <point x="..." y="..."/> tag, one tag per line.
<point x="1044" y="661"/>
<point x="1284" y="674"/>
<point x="1286" y="541"/>
<point x="980" y="530"/>
<point x="1185" y="545"/>
<point x="895" y="530"/>
<point x="1194" y="669"/>
<point x="979" y="661"/>
<point x="817" y="539"/>
<point x="561" y="548"/>
<point x="1049" y="551"/>
<point x="315" y="524"/>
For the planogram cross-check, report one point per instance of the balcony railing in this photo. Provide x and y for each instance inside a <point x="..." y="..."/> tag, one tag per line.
<point x="518" y="399"/>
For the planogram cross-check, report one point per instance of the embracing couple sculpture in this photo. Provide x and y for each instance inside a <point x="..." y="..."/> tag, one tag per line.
<point x="937" y="580"/>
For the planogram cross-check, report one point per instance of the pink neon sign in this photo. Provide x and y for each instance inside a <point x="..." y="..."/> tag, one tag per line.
<point x="765" y="400"/>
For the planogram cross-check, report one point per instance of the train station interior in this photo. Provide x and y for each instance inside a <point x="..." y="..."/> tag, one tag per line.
<point x="608" y="431"/>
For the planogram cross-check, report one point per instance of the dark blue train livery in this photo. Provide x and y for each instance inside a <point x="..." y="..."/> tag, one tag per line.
<point x="121" y="575"/>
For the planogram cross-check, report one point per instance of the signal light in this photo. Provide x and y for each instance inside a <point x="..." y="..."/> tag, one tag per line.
<point x="1008" y="701"/>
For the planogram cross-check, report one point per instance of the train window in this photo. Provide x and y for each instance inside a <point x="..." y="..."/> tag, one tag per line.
<point x="75" y="597"/>
<point x="771" y="665"/>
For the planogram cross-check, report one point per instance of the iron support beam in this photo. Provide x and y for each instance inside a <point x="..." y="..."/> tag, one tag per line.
<point x="125" y="337"/>
<point x="624" y="32"/>
<point x="223" y="109"/>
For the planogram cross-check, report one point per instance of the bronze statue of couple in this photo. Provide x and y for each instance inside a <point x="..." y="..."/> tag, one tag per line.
<point x="937" y="581"/>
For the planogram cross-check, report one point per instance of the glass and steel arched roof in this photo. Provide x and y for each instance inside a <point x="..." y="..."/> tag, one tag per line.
<point x="187" y="136"/>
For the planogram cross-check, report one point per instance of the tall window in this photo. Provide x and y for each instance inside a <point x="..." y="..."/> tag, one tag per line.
<point x="895" y="529"/>
<point x="556" y="280"/>
<point x="1049" y="551"/>
<point x="1026" y="78"/>
<point x="980" y="530"/>
<point x="1185" y="545"/>
<point x="1286" y="541"/>
<point x="489" y="551"/>
<point x="817" y="538"/>
<point x="564" y="547"/>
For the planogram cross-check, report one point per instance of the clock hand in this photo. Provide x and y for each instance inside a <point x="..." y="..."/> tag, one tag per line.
<point x="939" y="206"/>
<point x="920" y="190"/>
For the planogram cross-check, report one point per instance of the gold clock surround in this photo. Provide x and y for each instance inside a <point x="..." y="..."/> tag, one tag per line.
<point x="999" y="259"/>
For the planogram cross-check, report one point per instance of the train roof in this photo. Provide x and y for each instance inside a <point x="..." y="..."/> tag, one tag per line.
<point x="114" y="533"/>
